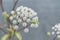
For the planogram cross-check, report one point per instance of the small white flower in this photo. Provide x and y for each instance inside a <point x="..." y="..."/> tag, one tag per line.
<point x="53" y="27"/>
<point x="21" y="15"/>
<point x="30" y="10"/>
<point x="57" y="32"/>
<point x="11" y="17"/>
<point x="17" y="17"/>
<point x="24" y="24"/>
<point x="16" y="27"/>
<point x="36" y="18"/>
<point x="34" y="13"/>
<point x="30" y="15"/>
<point x="53" y="33"/>
<point x="28" y="20"/>
<point x="18" y="13"/>
<point x="19" y="20"/>
<point x="24" y="9"/>
<point x="14" y="22"/>
<point x="58" y="36"/>
<point x="12" y="12"/>
<point x="36" y="25"/>
<point x="25" y="14"/>
<point x="32" y="25"/>
<point x="57" y="26"/>
<point x="19" y="8"/>
<point x="59" y="29"/>
<point x="14" y="16"/>
<point x="26" y="30"/>
<point x="24" y="18"/>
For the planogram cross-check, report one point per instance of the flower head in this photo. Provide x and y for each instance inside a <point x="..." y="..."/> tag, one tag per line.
<point x="56" y="30"/>
<point x="24" y="16"/>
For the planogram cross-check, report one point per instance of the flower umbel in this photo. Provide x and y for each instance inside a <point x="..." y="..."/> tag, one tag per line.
<point x="56" y="29"/>
<point x="22" y="17"/>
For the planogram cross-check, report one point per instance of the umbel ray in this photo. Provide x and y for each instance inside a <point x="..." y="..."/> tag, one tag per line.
<point x="19" y="19"/>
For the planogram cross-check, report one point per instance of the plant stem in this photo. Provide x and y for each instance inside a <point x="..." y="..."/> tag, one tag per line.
<point x="55" y="37"/>
<point x="1" y="5"/>
<point x="15" y="4"/>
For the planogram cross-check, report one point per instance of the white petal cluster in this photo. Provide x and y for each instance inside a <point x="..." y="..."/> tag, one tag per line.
<point x="28" y="20"/>
<point x="58" y="36"/>
<point x="56" y="27"/>
<point x="34" y="25"/>
<point x="53" y="33"/>
<point x="12" y="12"/>
<point x="34" y="22"/>
<point x="26" y="30"/>
<point x="14" y="22"/>
<point x="19" y="20"/>
<point x="24" y="24"/>
<point x="11" y="17"/>
<point x="24" y="16"/>
<point x="56" y="31"/>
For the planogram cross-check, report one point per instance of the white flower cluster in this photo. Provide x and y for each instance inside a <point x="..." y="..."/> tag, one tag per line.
<point x="56" y="29"/>
<point x="24" y="16"/>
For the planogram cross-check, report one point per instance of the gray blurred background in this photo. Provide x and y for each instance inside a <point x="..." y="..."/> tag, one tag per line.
<point x="48" y="12"/>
